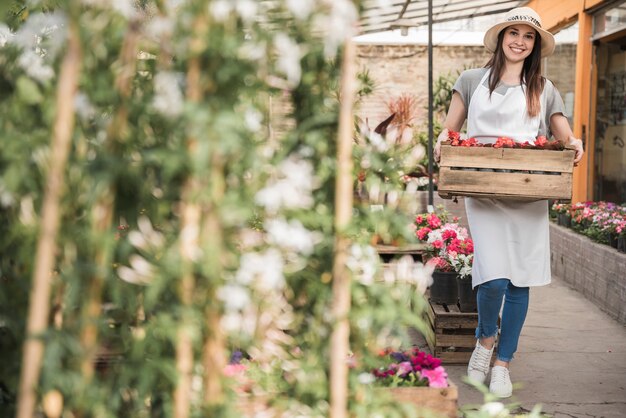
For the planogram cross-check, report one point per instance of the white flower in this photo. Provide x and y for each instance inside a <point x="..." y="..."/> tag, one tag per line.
<point x="140" y="272"/>
<point x="363" y="261"/>
<point x="220" y="9"/>
<point x="247" y="9"/>
<point x="146" y="237"/>
<point x="366" y="378"/>
<point x="291" y="188"/>
<point x="406" y="270"/>
<point x="168" y="99"/>
<point x="378" y="142"/>
<point x="292" y="236"/>
<point x="495" y="410"/>
<point x="83" y="107"/>
<point x="289" y="55"/>
<point x="234" y="296"/>
<point x="28" y="215"/>
<point x="6" y="198"/>
<point x="34" y="66"/>
<point x="123" y="7"/>
<point x="338" y="25"/>
<point x="262" y="270"/>
<point x="160" y="27"/>
<point x="5" y="34"/>
<point x="253" y="120"/>
<point x="301" y="9"/>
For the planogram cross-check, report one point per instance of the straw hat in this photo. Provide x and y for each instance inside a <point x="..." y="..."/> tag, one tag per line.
<point x="520" y="15"/>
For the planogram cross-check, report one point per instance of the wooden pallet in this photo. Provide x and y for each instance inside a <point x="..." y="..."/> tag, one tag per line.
<point x="452" y="338"/>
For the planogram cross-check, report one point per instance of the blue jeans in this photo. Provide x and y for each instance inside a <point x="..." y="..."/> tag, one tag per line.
<point x="489" y="299"/>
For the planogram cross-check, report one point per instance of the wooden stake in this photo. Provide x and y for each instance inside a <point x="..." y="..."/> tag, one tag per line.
<point x="50" y="219"/>
<point x="189" y="237"/>
<point x="214" y="356"/>
<point x="103" y="209"/>
<point x="339" y="342"/>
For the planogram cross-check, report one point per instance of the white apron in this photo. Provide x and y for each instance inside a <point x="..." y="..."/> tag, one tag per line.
<point x="511" y="238"/>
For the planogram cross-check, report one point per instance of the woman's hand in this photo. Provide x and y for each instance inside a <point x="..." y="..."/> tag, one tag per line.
<point x="578" y="146"/>
<point x="437" y="150"/>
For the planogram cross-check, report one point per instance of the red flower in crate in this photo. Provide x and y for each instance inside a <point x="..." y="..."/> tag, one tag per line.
<point x="541" y="141"/>
<point x="504" y="142"/>
<point x="454" y="137"/>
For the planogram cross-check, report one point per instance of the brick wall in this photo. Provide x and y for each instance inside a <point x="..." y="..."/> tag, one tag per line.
<point x="595" y="270"/>
<point x="398" y="69"/>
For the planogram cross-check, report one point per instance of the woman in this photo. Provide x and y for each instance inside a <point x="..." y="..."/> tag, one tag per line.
<point x="508" y="97"/>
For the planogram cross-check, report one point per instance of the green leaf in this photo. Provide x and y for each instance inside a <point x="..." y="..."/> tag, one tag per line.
<point x="28" y="91"/>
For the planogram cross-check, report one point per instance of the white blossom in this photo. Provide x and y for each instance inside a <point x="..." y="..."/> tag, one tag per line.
<point x="39" y="27"/>
<point x="289" y="55"/>
<point x="168" y="99"/>
<point x="366" y="378"/>
<point x="406" y="270"/>
<point x="291" y="188"/>
<point x="146" y="238"/>
<point x="263" y="270"/>
<point x="301" y="9"/>
<point x="247" y="9"/>
<point x="27" y="211"/>
<point x="234" y="296"/>
<point x="125" y="8"/>
<point x="140" y="272"/>
<point x="6" y="198"/>
<point x="495" y="410"/>
<point x="253" y="120"/>
<point x="5" y="34"/>
<point x="338" y="25"/>
<point x="84" y="109"/>
<point x="363" y="261"/>
<point x="292" y="236"/>
<point x="33" y="64"/>
<point x="160" y="27"/>
<point x="220" y="9"/>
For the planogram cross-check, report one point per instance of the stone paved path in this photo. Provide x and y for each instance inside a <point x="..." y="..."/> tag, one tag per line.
<point x="571" y="358"/>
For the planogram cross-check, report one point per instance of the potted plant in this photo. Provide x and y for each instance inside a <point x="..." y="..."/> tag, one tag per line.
<point x="562" y="214"/>
<point x="462" y="264"/>
<point x="446" y="242"/>
<point x="418" y="378"/>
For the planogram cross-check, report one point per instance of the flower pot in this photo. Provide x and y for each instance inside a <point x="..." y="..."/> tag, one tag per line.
<point x="444" y="290"/>
<point x="564" y="220"/>
<point x="428" y="401"/>
<point x="621" y="244"/>
<point x="467" y="295"/>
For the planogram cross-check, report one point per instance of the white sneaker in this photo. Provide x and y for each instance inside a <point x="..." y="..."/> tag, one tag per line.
<point x="500" y="382"/>
<point x="478" y="366"/>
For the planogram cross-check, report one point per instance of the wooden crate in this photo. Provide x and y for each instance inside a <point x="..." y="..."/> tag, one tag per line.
<point x="429" y="402"/>
<point x="513" y="173"/>
<point x="453" y="333"/>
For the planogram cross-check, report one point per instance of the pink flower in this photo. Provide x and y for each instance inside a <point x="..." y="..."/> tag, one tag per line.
<point x="404" y="368"/>
<point x="438" y="244"/>
<point x="231" y="370"/>
<point x="433" y="220"/>
<point x="422" y="233"/>
<point x="437" y="377"/>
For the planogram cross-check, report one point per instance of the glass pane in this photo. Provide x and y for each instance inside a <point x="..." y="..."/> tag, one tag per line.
<point x="610" y="153"/>
<point x="610" y="19"/>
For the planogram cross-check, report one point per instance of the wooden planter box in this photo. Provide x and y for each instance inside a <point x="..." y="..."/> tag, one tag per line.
<point x="505" y="173"/>
<point x="429" y="402"/>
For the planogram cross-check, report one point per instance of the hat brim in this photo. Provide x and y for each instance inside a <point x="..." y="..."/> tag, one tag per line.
<point x="491" y="37"/>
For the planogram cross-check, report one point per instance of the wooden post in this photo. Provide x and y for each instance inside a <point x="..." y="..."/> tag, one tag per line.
<point x="44" y="262"/>
<point x="102" y="211"/>
<point x="214" y="356"/>
<point x="339" y="343"/>
<point x="189" y="236"/>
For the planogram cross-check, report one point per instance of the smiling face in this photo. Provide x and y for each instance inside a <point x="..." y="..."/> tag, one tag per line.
<point x="518" y="42"/>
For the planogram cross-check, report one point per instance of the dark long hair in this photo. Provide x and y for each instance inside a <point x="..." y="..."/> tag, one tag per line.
<point x="530" y="78"/>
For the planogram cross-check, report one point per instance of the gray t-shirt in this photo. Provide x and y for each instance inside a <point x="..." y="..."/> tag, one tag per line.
<point x="468" y="81"/>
